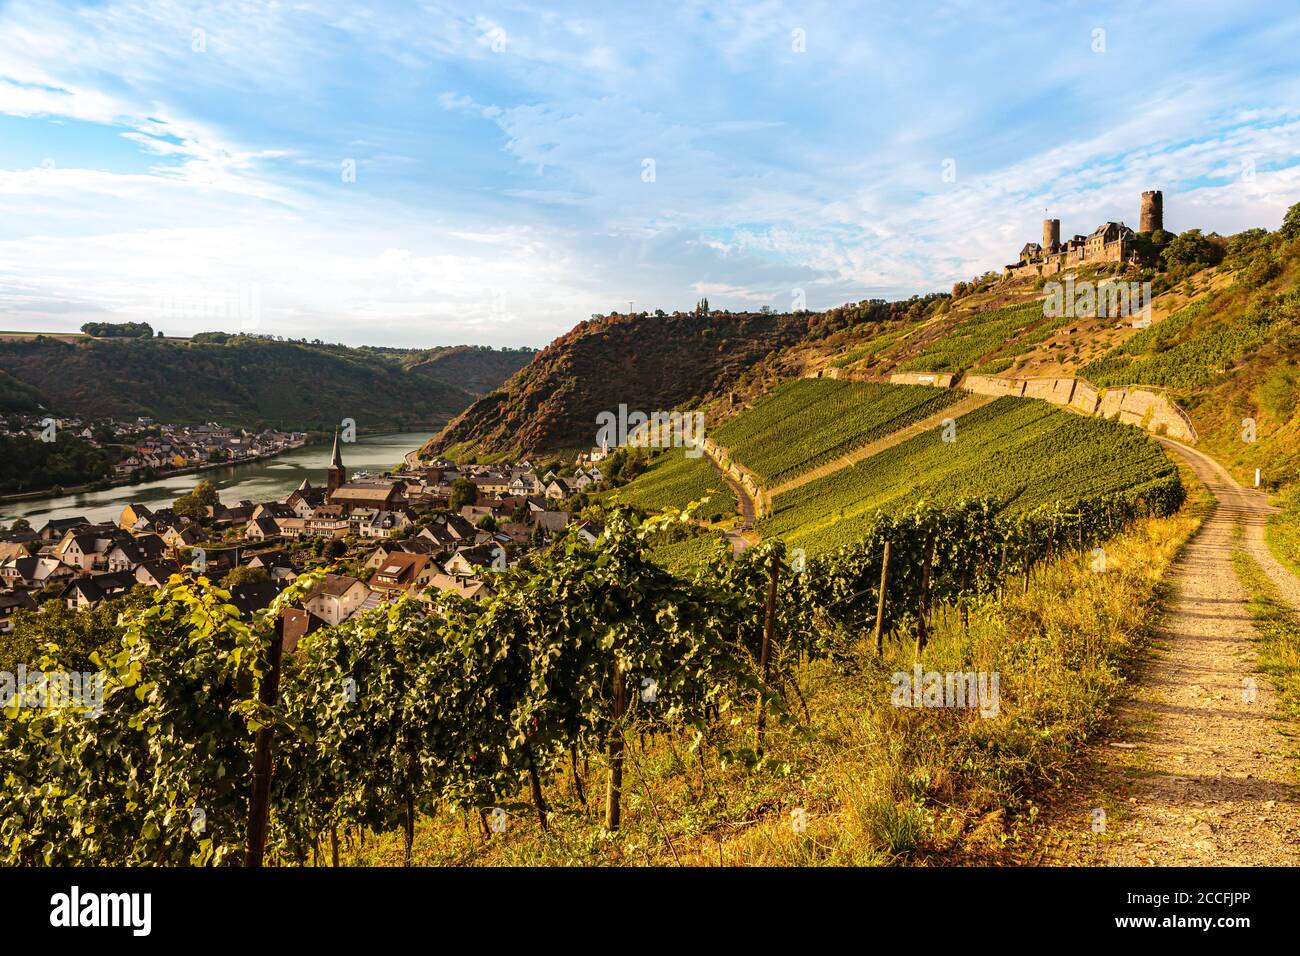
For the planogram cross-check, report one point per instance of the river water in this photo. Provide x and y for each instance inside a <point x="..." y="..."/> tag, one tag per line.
<point x="265" y="480"/>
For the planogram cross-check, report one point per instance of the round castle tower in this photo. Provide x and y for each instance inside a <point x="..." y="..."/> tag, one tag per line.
<point x="1051" y="235"/>
<point x="1153" y="211"/>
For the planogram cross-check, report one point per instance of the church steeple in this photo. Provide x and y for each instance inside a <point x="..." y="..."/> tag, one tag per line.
<point x="335" y="474"/>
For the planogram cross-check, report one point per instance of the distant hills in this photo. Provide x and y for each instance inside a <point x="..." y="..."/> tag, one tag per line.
<point x="247" y="380"/>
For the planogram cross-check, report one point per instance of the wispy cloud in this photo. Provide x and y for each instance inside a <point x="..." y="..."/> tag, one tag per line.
<point x="417" y="174"/>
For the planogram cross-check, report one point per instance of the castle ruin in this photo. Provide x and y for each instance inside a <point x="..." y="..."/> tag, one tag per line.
<point x="1109" y="242"/>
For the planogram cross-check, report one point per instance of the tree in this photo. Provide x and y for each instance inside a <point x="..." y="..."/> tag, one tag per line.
<point x="1191" y="250"/>
<point x="21" y="524"/>
<point x="244" y="574"/>
<point x="487" y="523"/>
<point x="463" y="492"/>
<point x="1290" y="227"/>
<point x="77" y="633"/>
<point x="196" y="503"/>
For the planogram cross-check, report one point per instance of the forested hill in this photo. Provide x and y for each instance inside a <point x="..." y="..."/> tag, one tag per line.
<point x="244" y="380"/>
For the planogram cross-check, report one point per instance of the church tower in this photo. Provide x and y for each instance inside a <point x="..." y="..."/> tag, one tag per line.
<point x="335" y="475"/>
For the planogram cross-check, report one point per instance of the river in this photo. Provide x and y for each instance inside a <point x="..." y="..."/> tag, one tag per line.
<point x="265" y="480"/>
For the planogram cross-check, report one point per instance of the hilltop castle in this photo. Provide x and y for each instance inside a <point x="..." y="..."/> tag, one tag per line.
<point x="1109" y="242"/>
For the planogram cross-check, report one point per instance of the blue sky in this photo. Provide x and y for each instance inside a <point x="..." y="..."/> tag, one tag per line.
<point x="521" y="166"/>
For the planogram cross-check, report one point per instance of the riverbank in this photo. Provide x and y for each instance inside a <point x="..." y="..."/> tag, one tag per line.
<point x="107" y="484"/>
<point x="270" y="478"/>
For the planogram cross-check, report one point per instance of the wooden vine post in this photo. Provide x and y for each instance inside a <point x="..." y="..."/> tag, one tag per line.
<point x="765" y="654"/>
<point x="922" y="631"/>
<point x="259" y="804"/>
<point x="880" y="601"/>
<point x="614" y="788"/>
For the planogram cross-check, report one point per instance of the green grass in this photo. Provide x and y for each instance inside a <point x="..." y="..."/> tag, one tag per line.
<point x="1279" y="633"/>
<point x="1020" y="452"/>
<point x="1283" y="532"/>
<point x="673" y="481"/>
<point x="807" y="422"/>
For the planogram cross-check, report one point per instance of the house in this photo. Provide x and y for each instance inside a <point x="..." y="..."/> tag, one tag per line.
<point x="134" y="516"/>
<point x="385" y="524"/>
<point x="13" y="549"/>
<point x="298" y="623"/>
<point x="553" y="522"/>
<point x="403" y="572"/>
<point x="87" y="548"/>
<point x="260" y="529"/>
<point x="336" y="598"/>
<point x="557" y="489"/>
<point x="468" y="561"/>
<point x="155" y="574"/>
<point x="178" y="539"/>
<point x="305" y="499"/>
<point x="491" y="484"/>
<point x="92" y="590"/>
<point x="275" y="510"/>
<point x="471" y="589"/>
<point x="589" y="531"/>
<point x="34" y="572"/>
<point x="329" y="521"/>
<point x="581" y="481"/>
<point x="129" y="553"/>
<point x="276" y="564"/>
<point x="11" y="601"/>
<point x="253" y="596"/>
<point x="56" y="527"/>
<point x="237" y="515"/>
<point x="525" y="484"/>
<point x="450" y="526"/>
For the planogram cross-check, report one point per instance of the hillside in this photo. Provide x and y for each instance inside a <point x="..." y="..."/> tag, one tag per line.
<point x="244" y="380"/>
<point x="646" y="362"/>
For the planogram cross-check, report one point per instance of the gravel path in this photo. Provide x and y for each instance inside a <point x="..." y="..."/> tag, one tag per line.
<point x="1205" y="772"/>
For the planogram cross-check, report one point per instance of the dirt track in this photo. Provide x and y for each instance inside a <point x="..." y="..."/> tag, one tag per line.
<point x="1204" y="774"/>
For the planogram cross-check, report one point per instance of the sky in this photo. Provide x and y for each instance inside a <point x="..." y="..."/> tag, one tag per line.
<point x="417" y="174"/>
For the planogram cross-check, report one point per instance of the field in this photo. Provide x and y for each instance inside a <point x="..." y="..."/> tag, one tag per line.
<point x="1017" y="452"/>
<point x="983" y="334"/>
<point x="673" y="481"/>
<point x="804" y="423"/>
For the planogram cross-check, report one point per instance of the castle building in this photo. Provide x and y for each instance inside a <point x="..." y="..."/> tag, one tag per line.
<point x="335" y="475"/>
<point x="1109" y="242"/>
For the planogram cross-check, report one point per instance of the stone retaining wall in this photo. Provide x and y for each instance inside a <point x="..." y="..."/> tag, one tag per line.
<point x="1146" y="408"/>
<point x="935" y="379"/>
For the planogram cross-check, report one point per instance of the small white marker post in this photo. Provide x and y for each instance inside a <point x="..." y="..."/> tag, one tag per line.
<point x="1256" y="477"/>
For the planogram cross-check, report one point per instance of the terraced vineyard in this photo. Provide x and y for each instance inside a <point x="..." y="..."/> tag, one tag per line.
<point x="804" y="423"/>
<point x="673" y="481"/>
<point x="982" y="334"/>
<point x="1018" y="453"/>
<point x="1184" y="350"/>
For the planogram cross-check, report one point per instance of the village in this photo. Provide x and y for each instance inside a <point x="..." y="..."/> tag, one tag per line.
<point x="429" y="526"/>
<point x="142" y="449"/>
